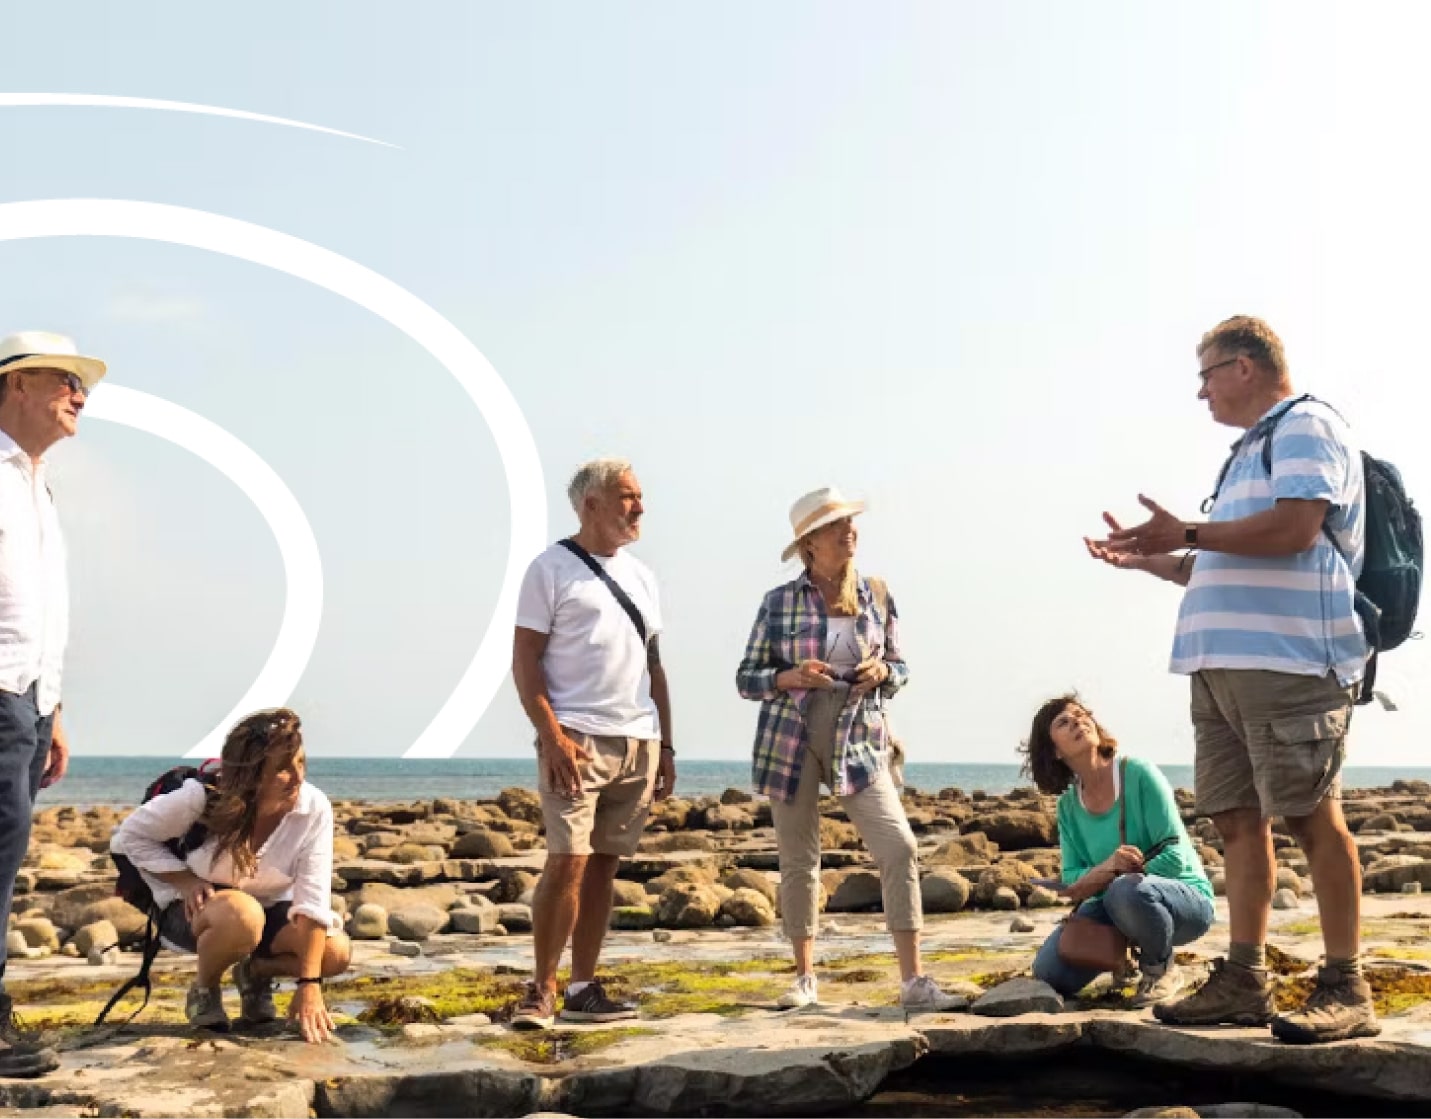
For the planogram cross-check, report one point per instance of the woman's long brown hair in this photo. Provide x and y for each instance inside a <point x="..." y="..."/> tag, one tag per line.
<point x="255" y="741"/>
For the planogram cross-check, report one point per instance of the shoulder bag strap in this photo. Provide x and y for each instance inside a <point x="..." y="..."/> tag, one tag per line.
<point x="1123" y="802"/>
<point x="611" y="584"/>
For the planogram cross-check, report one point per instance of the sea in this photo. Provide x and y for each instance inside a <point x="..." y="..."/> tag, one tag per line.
<point x="122" y="780"/>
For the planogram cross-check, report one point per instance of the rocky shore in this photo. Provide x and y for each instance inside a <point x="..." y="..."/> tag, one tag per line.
<point x="437" y="894"/>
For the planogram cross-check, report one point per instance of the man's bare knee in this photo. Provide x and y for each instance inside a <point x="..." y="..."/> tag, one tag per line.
<point x="562" y="873"/>
<point x="1241" y="824"/>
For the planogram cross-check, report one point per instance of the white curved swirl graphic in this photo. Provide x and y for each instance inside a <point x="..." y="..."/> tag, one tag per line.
<point x="302" y="566"/>
<point x="108" y="101"/>
<point x="153" y="221"/>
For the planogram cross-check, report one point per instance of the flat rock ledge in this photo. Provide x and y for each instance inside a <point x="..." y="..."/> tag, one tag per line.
<point x="818" y="1060"/>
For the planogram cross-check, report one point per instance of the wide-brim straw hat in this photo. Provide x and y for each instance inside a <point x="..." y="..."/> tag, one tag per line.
<point x="815" y="510"/>
<point x="40" y="349"/>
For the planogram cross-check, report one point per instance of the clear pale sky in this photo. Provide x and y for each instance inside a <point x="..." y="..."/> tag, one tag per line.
<point x="951" y="257"/>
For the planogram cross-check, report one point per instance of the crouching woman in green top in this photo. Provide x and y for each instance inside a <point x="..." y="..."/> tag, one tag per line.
<point x="1158" y="902"/>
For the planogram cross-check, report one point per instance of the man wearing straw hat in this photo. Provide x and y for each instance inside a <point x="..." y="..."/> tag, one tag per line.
<point x="44" y="382"/>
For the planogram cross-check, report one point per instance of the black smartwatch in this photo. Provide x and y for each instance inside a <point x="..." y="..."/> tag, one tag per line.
<point x="318" y="979"/>
<point x="1190" y="535"/>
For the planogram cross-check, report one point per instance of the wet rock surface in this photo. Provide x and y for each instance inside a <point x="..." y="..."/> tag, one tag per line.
<point x="437" y="894"/>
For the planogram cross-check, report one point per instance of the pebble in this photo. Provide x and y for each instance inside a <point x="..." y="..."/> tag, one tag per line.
<point x="1021" y="925"/>
<point x="1284" y="899"/>
<point x="1411" y="888"/>
<point x="404" y="948"/>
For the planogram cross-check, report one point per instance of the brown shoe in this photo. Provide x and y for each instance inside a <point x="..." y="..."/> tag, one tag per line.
<point x="1232" y="995"/>
<point x="536" y="1011"/>
<point x="1339" y="1007"/>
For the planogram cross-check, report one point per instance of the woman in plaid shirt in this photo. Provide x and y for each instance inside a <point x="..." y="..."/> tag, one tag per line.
<point x="822" y="658"/>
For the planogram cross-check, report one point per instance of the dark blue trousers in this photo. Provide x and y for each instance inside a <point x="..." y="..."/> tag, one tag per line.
<point x="24" y="755"/>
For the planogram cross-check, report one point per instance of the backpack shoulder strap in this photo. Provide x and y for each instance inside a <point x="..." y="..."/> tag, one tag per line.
<point x="611" y="584"/>
<point x="152" y="945"/>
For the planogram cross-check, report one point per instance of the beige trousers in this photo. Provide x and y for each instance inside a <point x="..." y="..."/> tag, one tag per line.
<point x="876" y="813"/>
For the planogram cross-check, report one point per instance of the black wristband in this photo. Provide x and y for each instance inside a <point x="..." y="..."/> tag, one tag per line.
<point x="669" y="749"/>
<point x="318" y="979"/>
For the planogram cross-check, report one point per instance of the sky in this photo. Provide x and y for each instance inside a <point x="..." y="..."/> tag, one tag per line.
<point x="953" y="258"/>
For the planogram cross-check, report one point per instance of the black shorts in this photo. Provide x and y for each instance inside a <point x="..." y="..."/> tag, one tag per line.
<point x="177" y="933"/>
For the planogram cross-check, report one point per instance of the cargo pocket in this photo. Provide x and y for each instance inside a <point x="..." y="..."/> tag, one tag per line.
<point x="1306" y="758"/>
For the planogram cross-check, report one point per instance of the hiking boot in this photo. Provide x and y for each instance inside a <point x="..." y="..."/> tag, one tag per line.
<point x="22" y="1054"/>
<point x="805" y="992"/>
<point x="255" y="994"/>
<point x="1158" y="985"/>
<point x="592" y="1005"/>
<point x="1339" y="1007"/>
<point x="923" y="994"/>
<point x="1232" y="995"/>
<point x="204" y="1007"/>
<point x="536" y="1011"/>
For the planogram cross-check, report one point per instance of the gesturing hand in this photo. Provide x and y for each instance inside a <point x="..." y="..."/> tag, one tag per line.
<point x="1159" y="534"/>
<point x="807" y="674"/>
<point x="1100" y="550"/>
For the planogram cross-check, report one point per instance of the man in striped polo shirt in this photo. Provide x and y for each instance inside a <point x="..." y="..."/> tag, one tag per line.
<point x="1270" y="638"/>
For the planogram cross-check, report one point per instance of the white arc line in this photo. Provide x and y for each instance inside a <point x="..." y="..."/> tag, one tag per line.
<point x="302" y="565"/>
<point x="154" y="221"/>
<point x="109" y="101"/>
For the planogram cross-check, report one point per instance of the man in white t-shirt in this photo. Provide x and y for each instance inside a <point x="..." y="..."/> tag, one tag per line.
<point x="587" y="665"/>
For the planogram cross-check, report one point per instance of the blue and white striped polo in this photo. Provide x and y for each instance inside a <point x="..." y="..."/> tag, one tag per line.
<point x="1293" y="614"/>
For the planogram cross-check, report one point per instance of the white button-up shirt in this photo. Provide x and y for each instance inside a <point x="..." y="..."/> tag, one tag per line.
<point x="295" y="865"/>
<point x="34" y="593"/>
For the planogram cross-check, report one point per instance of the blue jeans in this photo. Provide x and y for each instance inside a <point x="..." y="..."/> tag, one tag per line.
<point x="24" y="755"/>
<point x="1155" y="914"/>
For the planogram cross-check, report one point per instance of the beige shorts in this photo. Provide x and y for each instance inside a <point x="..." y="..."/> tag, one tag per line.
<point x="617" y="783"/>
<point x="1271" y="741"/>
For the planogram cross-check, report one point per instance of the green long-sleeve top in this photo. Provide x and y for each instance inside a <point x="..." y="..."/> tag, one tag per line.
<point x="1087" y="839"/>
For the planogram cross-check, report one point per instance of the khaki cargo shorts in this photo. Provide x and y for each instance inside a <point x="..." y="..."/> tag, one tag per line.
<point x="1272" y="741"/>
<point x="617" y="782"/>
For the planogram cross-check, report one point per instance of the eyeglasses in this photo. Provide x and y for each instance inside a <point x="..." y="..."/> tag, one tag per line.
<point x="1203" y="373"/>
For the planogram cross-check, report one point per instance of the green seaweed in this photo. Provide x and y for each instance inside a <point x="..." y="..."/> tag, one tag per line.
<point x="550" y="1047"/>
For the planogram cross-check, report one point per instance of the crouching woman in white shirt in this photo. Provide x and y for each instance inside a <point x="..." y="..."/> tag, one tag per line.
<point x="255" y="894"/>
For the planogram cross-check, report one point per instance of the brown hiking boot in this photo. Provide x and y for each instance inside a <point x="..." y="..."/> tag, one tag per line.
<point x="1232" y="995"/>
<point x="23" y="1055"/>
<point x="1339" y="1007"/>
<point x="536" y="1011"/>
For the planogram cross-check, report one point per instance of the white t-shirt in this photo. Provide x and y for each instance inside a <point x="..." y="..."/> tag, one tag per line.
<point x="594" y="661"/>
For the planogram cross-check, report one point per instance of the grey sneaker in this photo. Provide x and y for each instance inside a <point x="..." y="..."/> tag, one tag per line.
<point x="1339" y="1007"/>
<point x="255" y="994"/>
<point x="1232" y="995"/>
<point x="204" y="1007"/>
<point x="592" y="1005"/>
<point x="923" y="994"/>
<point x="1158" y="985"/>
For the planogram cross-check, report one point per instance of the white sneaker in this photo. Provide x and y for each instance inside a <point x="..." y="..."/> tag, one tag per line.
<point x="923" y="994"/>
<point x="1156" y="987"/>
<point x="804" y="993"/>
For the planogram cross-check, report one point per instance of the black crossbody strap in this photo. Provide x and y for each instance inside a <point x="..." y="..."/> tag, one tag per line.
<point x="1122" y="802"/>
<point x="611" y="584"/>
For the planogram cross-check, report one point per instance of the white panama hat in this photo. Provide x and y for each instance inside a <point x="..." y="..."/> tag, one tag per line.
<point x="40" y="349"/>
<point x="815" y="510"/>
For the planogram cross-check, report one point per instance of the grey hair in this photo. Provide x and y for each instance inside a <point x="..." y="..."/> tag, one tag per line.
<point x="598" y="474"/>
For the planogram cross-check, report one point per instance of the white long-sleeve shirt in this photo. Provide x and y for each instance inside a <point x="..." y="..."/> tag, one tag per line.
<point x="34" y="591"/>
<point x="295" y="865"/>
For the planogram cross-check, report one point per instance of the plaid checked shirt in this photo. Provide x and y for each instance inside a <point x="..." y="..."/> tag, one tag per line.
<point x="790" y="628"/>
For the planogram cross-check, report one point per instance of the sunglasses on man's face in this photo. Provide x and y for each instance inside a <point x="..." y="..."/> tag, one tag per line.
<point x="71" y="380"/>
